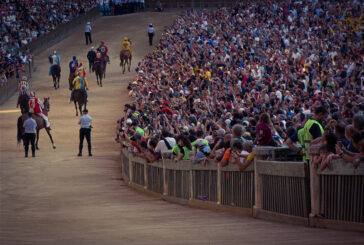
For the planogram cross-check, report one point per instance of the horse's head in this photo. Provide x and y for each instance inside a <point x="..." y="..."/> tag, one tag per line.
<point x="46" y="105"/>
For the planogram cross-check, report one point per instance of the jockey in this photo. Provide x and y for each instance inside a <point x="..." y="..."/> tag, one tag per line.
<point x="23" y="86"/>
<point x="80" y="70"/>
<point x="125" y="45"/>
<point x="103" y="49"/>
<point x="99" y="58"/>
<point x="79" y="83"/>
<point x="54" y="60"/>
<point x="73" y="65"/>
<point x="35" y="106"/>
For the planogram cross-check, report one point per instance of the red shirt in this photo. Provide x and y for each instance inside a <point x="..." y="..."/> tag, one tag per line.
<point x="264" y="134"/>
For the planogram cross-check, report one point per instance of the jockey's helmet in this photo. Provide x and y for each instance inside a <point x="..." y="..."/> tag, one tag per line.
<point x="92" y="48"/>
<point x="54" y="52"/>
<point x="80" y="64"/>
<point x="74" y="58"/>
<point x="151" y="25"/>
<point x="126" y="39"/>
<point x="24" y="78"/>
<point x="32" y="94"/>
<point x="102" y="42"/>
<point x="88" y="23"/>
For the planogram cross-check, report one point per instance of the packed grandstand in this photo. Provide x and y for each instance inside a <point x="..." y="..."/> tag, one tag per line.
<point x="26" y="20"/>
<point x="264" y="73"/>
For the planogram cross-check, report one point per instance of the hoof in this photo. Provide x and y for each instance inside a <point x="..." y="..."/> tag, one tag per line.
<point x="37" y="148"/>
<point x="54" y="147"/>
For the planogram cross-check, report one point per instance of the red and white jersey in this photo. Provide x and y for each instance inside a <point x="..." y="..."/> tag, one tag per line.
<point x="35" y="105"/>
<point x="23" y="85"/>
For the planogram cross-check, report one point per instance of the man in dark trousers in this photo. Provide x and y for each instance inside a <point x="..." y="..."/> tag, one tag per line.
<point x="88" y="33"/>
<point x="85" y="130"/>
<point x="151" y="34"/>
<point x="29" y="134"/>
<point x="91" y="56"/>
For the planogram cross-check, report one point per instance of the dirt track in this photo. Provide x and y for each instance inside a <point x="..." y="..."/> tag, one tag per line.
<point x="59" y="198"/>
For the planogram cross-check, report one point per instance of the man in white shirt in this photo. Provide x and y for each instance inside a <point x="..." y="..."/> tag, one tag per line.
<point x="166" y="143"/>
<point x="30" y="126"/>
<point x="85" y="131"/>
<point x="151" y="34"/>
<point x="88" y="33"/>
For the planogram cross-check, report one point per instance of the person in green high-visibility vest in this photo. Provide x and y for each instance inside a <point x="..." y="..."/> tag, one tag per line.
<point x="313" y="129"/>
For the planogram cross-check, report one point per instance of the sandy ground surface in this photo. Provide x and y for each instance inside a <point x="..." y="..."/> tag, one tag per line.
<point x="59" y="198"/>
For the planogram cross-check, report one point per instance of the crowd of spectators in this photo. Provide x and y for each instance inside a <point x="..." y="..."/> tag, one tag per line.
<point x="22" y="21"/>
<point x="224" y="81"/>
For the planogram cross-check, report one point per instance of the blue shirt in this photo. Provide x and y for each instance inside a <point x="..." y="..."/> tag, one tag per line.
<point x="30" y="125"/>
<point x="85" y="121"/>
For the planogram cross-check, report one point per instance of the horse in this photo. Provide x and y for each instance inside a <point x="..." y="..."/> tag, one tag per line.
<point x="56" y="75"/>
<point x="125" y="59"/>
<point x="23" y="101"/>
<point x="40" y="124"/>
<point x="70" y="80"/>
<point x="80" y="97"/>
<point x="99" y="71"/>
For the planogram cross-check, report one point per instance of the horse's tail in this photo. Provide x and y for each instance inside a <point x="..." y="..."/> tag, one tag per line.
<point x="20" y="129"/>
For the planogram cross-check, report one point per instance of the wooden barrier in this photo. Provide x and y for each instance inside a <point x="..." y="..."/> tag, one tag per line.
<point x="268" y="189"/>
<point x="337" y="195"/>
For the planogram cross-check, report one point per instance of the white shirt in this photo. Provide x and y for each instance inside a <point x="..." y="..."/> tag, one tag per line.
<point x="161" y="146"/>
<point x="87" y="28"/>
<point x="85" y="121"/>
<point x="150" y="29"/>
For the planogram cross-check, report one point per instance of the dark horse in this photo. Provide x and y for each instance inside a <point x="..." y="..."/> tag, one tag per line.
<point x="125" y="59"/>
<point x="99" y="71"/>
<point x="80" y="97"/>
<point x="70" y="80"/>
<point x="40" y="124"/>
<point x="23" y="101"/>
<point x="56" y="75"/>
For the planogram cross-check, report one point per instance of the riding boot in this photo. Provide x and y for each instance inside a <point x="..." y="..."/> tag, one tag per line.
<point x="26" y="154"/>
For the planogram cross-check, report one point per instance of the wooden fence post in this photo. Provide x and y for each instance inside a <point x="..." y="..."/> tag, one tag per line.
<point x="165" y="183"/>
<point x="219" y="194"/>
<point x="130" y="169"/>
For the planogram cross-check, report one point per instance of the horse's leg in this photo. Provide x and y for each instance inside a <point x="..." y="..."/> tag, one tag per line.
<point x="97" y="77"/>
<point x="129" y="64"/>
<point x="58" y="81"/>
<point x="80" y="108"/>
<point x="101" y="81"/>
<point x="105" y="70"/>
<point x="124" y="61"/>
<point x="36" y="144"/>
<point x="50" y="137"/>
<point x="75" y="107"/>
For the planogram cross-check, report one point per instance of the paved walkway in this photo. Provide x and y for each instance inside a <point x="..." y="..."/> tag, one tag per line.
<point x="58" y="198"/>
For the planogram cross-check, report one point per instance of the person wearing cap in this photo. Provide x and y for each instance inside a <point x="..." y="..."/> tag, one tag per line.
<point x="36" y="106"/>
<point x="85" y="131"/>
<point x="30" y="126"/>
<point x="79" y="83"/>
<point x="23" y="86"/>
<point x="91" y="56"/>
<point x="125" y="46"/>
<point x="88" y="33"/>
<point x="54" y="60"/>
<point x="151" y="33"/>
<point x="103" y="50"/>
<point x="73" y="65"/>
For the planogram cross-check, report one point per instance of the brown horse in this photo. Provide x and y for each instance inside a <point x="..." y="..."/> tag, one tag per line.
<point x="99" y="71"/>
<point x="125" y="59"/>
<point x="56" y="75"/>
<point x="80" y="97"/>
<point x="70" y="80"/>
<point x="40" y="124"/>
<point x="23" y="101"/>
